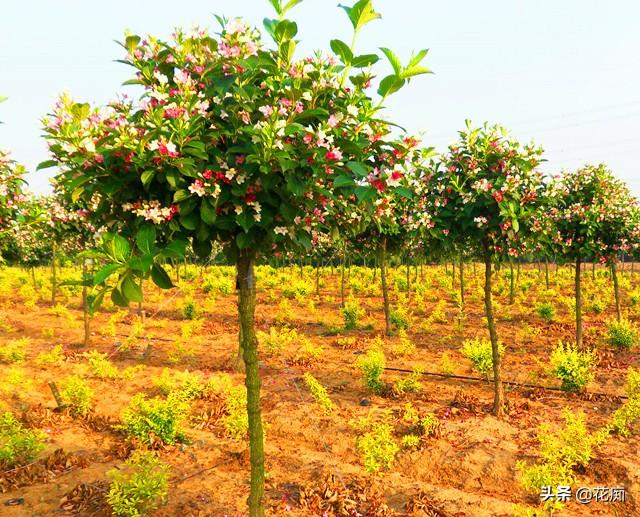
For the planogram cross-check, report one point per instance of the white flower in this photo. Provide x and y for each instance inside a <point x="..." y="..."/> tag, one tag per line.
<point x="281" y="230"/>
<point x="235" y="26"/>
<point x="352" y="110"/>
<point x="161" y="78"/>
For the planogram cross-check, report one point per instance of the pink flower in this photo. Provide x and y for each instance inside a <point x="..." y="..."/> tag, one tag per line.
<point x="266" y="111"/>
<point x="333" y="121"/>
<point x="334" y="154"/>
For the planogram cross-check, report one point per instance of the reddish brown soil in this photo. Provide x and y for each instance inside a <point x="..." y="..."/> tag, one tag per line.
<point x="468" y="471"/>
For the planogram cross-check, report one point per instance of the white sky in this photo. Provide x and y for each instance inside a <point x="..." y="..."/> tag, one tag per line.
<point x="566" y="73"/>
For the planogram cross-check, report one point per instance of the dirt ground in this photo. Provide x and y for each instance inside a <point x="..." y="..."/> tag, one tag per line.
<point x="312" y="460"/>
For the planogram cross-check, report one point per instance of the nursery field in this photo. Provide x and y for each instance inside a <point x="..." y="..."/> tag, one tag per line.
<point x="343" y="435"/>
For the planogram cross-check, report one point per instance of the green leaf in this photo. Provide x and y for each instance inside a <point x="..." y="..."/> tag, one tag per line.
<point x="46" y="164"/>
<point x="389" y="85"/>
<point x="175" y="249"/>
<point x="147" y="176"/>
<point x="95" y="302"/>
<point x="118" y="248"/>
<point x="361" y="13"/>
<point x="190" y="222"/>
<point x="295" y="185"/>
<point x="105" y="273"/>
<point x="245" y="220"/>
<point x="364" y="60"/>
<point x="243" y="240"/>
<point x="342" y="181"/>
<point x="118" y="299"/>
<point x="142" y="264"/>
<point x="130" y="290"/>
<point x="285" y="30"/>
<point x="202" y="248"/>
<point x="393" y="59"/>
<point x="276" y="5"/>
<point x="341" y="49"/>
<point x="131" y="43"/>
<point x="181" y="195"/>
<point x="207" y="212"/>
<point x="146" y="238"/>
<point x="404" y="192"/>
<point x="160" y="277"/>
<point x="358" y="169"/>
<point x="515" y="225"/>
<point x="365" y="193"/>
<point x="289" y="5"/>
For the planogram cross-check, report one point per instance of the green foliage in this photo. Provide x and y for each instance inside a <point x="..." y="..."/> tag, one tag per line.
<point x="622" y="334"/>
<point x="405" y="347"/>
<point x="352" y="313"/>
<point x="400" y="318"/>
<point x="156" y="419"/>
<point x="14" y="351"/>
<point x="372" y="367"/>
<point x="410" y="441"/>
<point x="235" y="421"/>
<point x="575" y="369"/>
<point x="277" y="339"/>
<point x="140" y="487"/>
<point x="18" y="445"/>
<point x="376" y="444"/>
<point x="447" y="366"/>
<point x="561" y="451"/>
<point x="190" y="310"/>
<point x="546" y="311"/>
<point x="319" y="393"/>
<point x="625" y="416"/>
<point x="52" y="357"/>
<point x="478" y="351"/>
<point x="78" y="395"/>
<point x="410" y="382"/>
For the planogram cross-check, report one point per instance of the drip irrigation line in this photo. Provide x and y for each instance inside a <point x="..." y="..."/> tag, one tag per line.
<point x="509" y="383"/>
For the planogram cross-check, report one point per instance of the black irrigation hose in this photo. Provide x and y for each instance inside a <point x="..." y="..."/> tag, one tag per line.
<point x="510" y="383"/>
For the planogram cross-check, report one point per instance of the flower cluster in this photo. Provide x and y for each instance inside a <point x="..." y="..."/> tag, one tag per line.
<point x="231" y="141"/>
<point x="486" y="190"/>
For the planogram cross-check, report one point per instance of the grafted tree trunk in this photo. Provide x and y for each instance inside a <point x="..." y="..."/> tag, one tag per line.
<point x="53" y="273"/>
<point x="616" y="289"/>
<point x="578" y="287"/>
<point x="85" y="304"/>
<point x="546" y="272"/>
<point x="498" y="400"/>
<point x="461" y="270"/>
<point x="385" y="291"/>
<point x="342" y="276"/>
<point x="249" y="345"/>
<point x="512" y="280"/>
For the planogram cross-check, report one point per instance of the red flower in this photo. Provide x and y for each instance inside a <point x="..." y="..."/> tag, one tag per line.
<point x="497" y="195"/>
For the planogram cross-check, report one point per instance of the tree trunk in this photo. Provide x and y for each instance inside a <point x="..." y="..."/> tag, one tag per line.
<point x="318" y="278"/>
<point x="461" y="269"/>
<point x="342" y="277"/>
<point x="408" y="278"/>
<point x="616" y="289"/>
<point x="498" y="401"/>
<point x="546" y="272"/>
<point x="85" y="305"/>
<point x="33" y="277"/>
<point x="578" y="288"/>
<point x="385" y="292"/>
<point x="453" y="274"/>
<point x="512" y="279"/>
<point x="53" y="273"/>
<point x="249" y="345"/>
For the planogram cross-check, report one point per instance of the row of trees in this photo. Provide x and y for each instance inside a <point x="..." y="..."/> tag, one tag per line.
<point x="237" y="142"/>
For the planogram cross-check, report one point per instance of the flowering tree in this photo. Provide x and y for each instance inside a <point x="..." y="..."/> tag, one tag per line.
<point x="234" y="142"/>
<point x="592" y="215"/>
<point x="485" y="192"/>
<point x="11" y="197"/>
